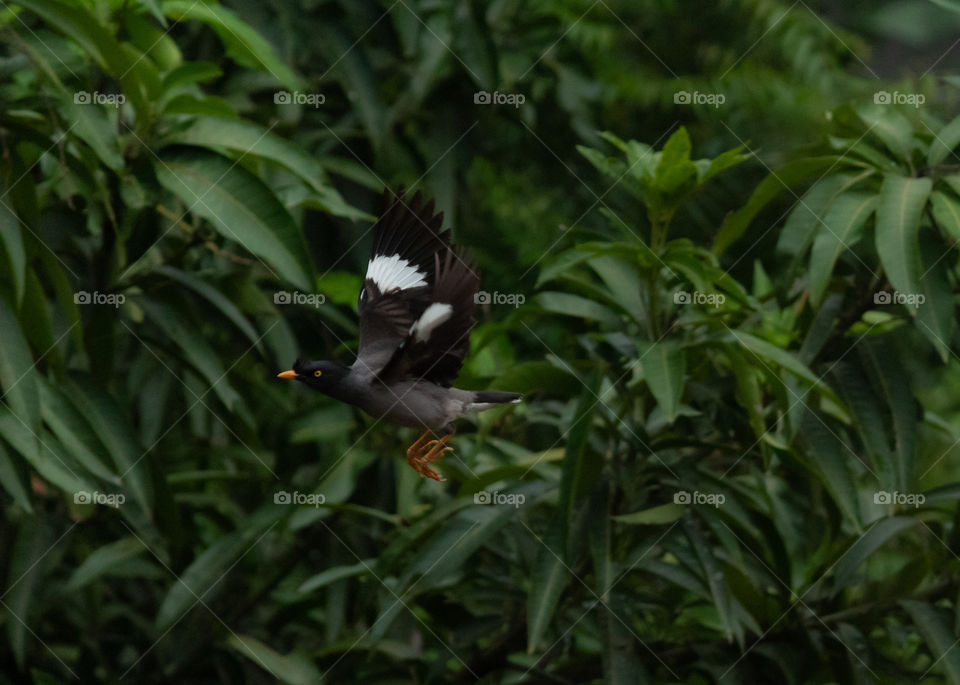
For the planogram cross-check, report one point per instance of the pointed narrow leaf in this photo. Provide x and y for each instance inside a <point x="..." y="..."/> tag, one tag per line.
<point x="736" y="223"/>
<point x="240" y="207"/>
<point x="944" y="142"/>
<point x="841" y="230"/>
<point x="939" y="636"/>
<point x="664" y="366"/>
<point x="935" y="315"/>
<point x="898" y="220"/>
<point x="866" y="545"/>
<point x="243" y="43"/>
<point x="946" y="212"/>
<point x="290" y="669"/>
<point x="547" y="584"/>
<point x="11" y="245"/>
<point x="17" y="371"/>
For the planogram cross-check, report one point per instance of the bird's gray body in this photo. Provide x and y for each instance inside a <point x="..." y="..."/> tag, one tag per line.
<point x="415" y="403"/>
<point x="416" y="312"/>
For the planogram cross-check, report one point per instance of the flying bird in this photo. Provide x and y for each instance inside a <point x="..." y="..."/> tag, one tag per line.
<point x="416" y="312"/>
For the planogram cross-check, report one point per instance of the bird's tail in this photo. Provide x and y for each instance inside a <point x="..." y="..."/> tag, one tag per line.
<point x="482" y="397"/>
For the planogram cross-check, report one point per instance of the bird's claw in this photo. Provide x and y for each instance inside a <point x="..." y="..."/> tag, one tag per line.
<point x="420" y="456"/>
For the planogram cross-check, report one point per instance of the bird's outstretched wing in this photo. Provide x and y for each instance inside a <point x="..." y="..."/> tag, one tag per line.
<point x="400" y="277"/>
<point x="439" y="339"/>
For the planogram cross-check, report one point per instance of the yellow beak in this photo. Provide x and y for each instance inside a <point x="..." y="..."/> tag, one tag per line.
<point x="287" y="374"/>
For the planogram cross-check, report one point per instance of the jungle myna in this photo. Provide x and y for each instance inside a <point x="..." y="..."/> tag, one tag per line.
<point x="416" y="312"/>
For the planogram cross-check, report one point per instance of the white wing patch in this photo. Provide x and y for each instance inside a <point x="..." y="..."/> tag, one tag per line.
<point x="432" y="316"/>
<point x="394" y="273"/>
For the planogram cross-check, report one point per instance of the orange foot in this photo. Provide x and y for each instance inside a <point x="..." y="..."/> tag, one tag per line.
<point x="424" y="452"/>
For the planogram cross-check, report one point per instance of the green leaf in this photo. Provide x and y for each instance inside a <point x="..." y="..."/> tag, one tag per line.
<point x="655" y="516"/>
<point x="73" y="431"/>
<point x="944" y="142"/>
<point x="246" y="138"/>
<point x="549" y="579"/>
<point x="17" y="371"/>
<point x="939" y="635"/>
<point x="713" y="575"/>
<point x="243" y="44"/>
<point x="111" y="426"/>
<point x="217" y="299"/>
<point x="935" y="316"/>
<point x="14" y="480"/>
<point x="11" y="246"/>
<point x="332" y="575"/>
<point x="736" y="223"/>
<point x="292" y="669"/>
<point x="44" y="457"/>
<point x="841" y="230"/>
<point x="723" y="161"/>
<point x="96" y="127"/>
<point x="205" y="573"/>
<point x="240" y="207"/>
<point x="103" y="559"/>
<point x="96" y="40"/>
<point x="580" y="467"/>
<point x="891" y="127"/>
<point x="831" y="462"/>
<point x="22" y="590"/>
<point x="664" y="366"/>
<point x="866" y="545"/>
<point x="805" y="219"/>
<point x="199" y="353"/>
<point x="946" y="212"/>
<point x="574" y="305"/>
<point x="898" y="220"/>
<point x="675" y="169"/>
<point x="884" y="365"/>
<point x="780" y="357"/>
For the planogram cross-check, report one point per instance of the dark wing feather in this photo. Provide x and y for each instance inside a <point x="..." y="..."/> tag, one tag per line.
<point x="438" y="342"/>
<point x="400" y="275"/>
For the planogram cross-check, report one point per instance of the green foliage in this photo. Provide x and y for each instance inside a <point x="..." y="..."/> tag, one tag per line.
<point x="736" y="457"/>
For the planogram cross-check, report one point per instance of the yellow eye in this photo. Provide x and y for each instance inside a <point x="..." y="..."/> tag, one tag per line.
<point x="318" y="373"/>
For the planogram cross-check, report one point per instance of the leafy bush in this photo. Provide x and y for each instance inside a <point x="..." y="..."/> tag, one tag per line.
<point x="735" y="462"/>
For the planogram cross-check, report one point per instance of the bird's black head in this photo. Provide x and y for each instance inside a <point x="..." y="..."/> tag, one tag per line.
<point x="321" y="375"/>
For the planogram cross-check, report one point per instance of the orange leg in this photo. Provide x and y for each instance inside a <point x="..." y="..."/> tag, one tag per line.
<point x="429" y="452"/>
<point x="417" y="446"/>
